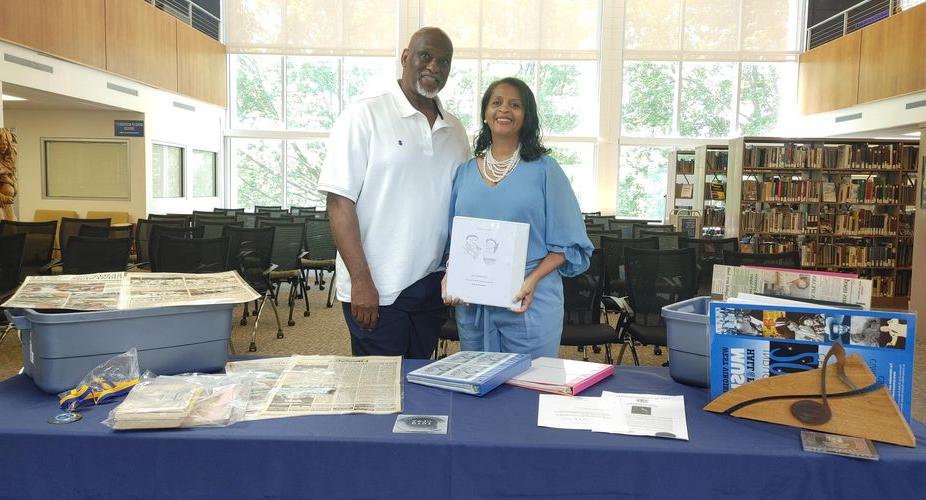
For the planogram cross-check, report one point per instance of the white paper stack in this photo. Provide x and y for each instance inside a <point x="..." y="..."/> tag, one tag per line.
<point x="487" y="260"/>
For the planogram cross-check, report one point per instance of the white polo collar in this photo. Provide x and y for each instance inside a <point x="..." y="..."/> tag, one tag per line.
<point x="406" y="109"/>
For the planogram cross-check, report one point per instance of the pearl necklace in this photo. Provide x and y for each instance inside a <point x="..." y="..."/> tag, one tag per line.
<point x="495" y="170"/>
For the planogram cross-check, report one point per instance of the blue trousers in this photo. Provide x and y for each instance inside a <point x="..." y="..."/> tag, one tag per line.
<point x="408" y="327"/>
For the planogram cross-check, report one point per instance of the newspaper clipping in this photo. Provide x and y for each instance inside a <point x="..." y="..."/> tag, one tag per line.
<point x="323" y="385"/>
<point x="729" y="281"/>
<point x="118" y="291"/>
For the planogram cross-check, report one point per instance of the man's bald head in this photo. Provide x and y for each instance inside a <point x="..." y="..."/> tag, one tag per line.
<point x="426" y="62"/>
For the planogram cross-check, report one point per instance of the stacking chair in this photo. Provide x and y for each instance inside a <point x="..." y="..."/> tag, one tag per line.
<point x="159" y="232"/>
<point x="71" y="227"/>
<point x="595" y="227"/>
<point x="253" y="261"/>
<point x="248" y="220"/>
<point x="448" y="333"/>
<point x="143" y="237"/>
<point x="320" y="253"/>
<point x="179" y="218"/>
<point x="639" y="226"/>
<point x="200" y="218"/>
<point x="215" y="229"/>
<point x="708" y="252"/>
<point x="668" y="240"/>
<point x="254" y="239"/>
<point x="582" y="326"/>
<point x="89" y="254"/>
<point x="39" y="246"/>
<point x="273" y="217"/>
<point x="599" y="219"/>
<point x="190" y="255"/>
<point x="318" y="214"/>
<point x="784" y="259"/>
<point x="595" y="236"/>
<point x="106" y="232"/>
<point x="624" y="226"/>
<point x="288" y="240"/>
<point x="655" y="278"/>
<point x="612" y="250"/>
<point x="231" y="212"/>
<point x="11" y="258"/>
<point x="302" y="210"/>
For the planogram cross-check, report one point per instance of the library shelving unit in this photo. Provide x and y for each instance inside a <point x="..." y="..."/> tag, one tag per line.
<point x="711" y="188"/>
<point x="847" y="205"/>
<point x="682" y="181"/>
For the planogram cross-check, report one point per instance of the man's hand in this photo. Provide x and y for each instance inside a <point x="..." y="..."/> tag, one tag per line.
<point x="364" y="303"/>
<point x="448" y="300"/>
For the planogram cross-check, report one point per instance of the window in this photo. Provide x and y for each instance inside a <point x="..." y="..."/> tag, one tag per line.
<point x="203" y="174"/>
<point x="166" y="171"/>
<point x="86" y="169"/>
<point x="648" y="105"/>
<point x="642" y="182"/>
<point x="257" y="172"/>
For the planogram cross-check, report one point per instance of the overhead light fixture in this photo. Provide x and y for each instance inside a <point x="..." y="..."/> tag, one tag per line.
<point x="12" y="98"/>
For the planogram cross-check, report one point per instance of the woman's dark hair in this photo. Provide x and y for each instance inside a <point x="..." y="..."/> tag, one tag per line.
<point x="530" y="136"/>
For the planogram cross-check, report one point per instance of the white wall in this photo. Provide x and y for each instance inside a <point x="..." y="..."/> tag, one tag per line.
<point x="880" y="115"/>
<point x="34" y="125"/>
<point x="164" y="122"/>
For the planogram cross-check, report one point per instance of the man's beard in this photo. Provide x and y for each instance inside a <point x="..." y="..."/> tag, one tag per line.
<point x="425" y="93"/>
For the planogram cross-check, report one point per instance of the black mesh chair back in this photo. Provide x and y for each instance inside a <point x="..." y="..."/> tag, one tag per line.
<point x="784" y="259"/>
<point x="187" y="217"/>
<point x="71" y="227"/>
<point x="106" y="232"/>
<point x="582" y="293"/>
<point x="708" y="252"/>
<point x="182" y="219"/>
<point x="288" y="240"/>
<point x="318" y="214"/>
<point x="624" y="226"/>
<point x="637" y="227"/>
<point x="248" y="220"/>
<point x="591" y="214"/>
<point x="595" y="236"/>
<point x="212" y="218"/>
<point x="228" y="211"/>
<point x="595" y="227"/>
<point x="656" y="278"/>
<point x="191" y="255"/>
<point x="159" y="232"/>
<point x="599" y="219"/>
<point x="216" y="229"/>
<point x="319" y="242"/>
<point x="143" y="229"/>
<point x="89" y="254"/>
<point x="302" y="210"/>
<point x="667" y="240"/>
<point x="279" y="218"/>
<point x="11" y="259"/>
<point x="259" y="240"/>
<point x="40" y="243"/>
<point x="612" y="251"/>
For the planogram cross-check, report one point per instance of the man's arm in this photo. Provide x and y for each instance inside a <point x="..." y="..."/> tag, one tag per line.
<point x="364" y="300"/>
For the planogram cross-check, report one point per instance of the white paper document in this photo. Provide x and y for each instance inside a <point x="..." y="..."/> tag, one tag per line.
<point x="487" y="260"/>
<point x="644" y="415"/>
<point x="565" y="412"/>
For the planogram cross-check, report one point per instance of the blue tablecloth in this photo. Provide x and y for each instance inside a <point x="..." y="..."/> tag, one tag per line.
<point x="493" y="449"/>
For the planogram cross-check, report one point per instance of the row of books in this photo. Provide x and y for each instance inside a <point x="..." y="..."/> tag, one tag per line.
<point x="684" y="167"/>
<point x="859" y="191"/>
<point x="715" y="162"/>
<point x="713" y="217"/>
<point x="762" y="245"/>
<point x="841" y="156"/>
<point x="844" y="255"/>
<point x="776" y="220"/>
<point x="780" y="220"/>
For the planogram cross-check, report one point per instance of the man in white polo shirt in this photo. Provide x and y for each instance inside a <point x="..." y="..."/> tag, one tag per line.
<point x="388" y="173"/>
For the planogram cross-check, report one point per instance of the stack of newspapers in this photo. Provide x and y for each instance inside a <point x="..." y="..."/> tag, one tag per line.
<point x="471" y="372"/>
<point x="156" y="406"/>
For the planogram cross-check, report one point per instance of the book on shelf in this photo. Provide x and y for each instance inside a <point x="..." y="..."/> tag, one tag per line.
<point x="829" y="192"/>
<point x="562" y="376"/>
<point x="684" y="191"/>
<point x="717" y="191"/>
<point x="684" y="166"/>
<point x="471" y="372"/>
<point x="750" y="190"/>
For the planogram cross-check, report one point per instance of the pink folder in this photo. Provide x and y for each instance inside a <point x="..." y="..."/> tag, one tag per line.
<point x="562" y="376"/>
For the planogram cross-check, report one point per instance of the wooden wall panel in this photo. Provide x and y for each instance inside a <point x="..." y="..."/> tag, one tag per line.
<point x="76" y="30"/>
<point x="201" y="66"/>
<point x="893" y="56"/>
<point x="828" y="75"/>
<point x="21" y="22"/>
<point x="141" y="43"/>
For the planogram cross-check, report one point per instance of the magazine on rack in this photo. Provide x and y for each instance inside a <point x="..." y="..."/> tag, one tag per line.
<point x="798" y="284"/>
<point x="753" y="341"/>
<point x="471" y="372"/>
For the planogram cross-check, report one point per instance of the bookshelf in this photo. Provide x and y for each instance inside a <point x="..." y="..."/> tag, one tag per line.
<point x="682" y="181"/>
<point x="847" y="205"/>
<point x="711" y="189"/>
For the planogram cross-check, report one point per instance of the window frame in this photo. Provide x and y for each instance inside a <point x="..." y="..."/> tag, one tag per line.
<point x="183" y="169"/>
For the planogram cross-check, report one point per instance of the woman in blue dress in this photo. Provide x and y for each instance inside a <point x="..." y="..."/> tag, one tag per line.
<point x="513" y="178"/>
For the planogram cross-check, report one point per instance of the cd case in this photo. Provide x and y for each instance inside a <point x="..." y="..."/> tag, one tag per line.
<point x="833" y="444"/>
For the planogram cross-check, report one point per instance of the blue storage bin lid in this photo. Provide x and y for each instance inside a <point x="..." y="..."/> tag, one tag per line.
<point x="686" y="326"/>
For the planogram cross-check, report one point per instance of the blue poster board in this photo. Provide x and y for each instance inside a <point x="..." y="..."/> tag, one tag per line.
<point x="750" y="341"/>
<point x="129" y="128"/>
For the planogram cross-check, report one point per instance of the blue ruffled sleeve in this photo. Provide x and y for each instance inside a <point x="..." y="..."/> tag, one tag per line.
<point x="565" y="229"/>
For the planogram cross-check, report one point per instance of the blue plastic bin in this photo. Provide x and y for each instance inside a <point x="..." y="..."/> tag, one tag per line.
<point x="59" y="349"/>
<point x="688" y="341"/>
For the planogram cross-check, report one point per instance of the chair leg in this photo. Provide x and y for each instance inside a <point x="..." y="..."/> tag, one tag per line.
<point x="334" y="276"/>
<point x="305" y="293"/>
<point x="6" y="331"/>
<point x="276" y="315"/>
<point x="607" y="354"/>
<point x="244" y="314"/>
<point x="633" y="352"/>
<point x="253" y="346"/>
<point x="292" y="301"/>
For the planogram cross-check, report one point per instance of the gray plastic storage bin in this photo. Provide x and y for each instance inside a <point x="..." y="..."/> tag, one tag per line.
<point x="688" y="341"/>
<point x="59" y="349"/>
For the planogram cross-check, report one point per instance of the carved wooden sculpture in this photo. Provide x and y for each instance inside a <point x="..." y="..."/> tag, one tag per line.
<point x="7" y="173"/>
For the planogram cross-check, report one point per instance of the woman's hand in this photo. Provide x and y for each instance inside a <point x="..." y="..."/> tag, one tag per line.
<point x="525" y="295"/>
<point x="450" y="301"/>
